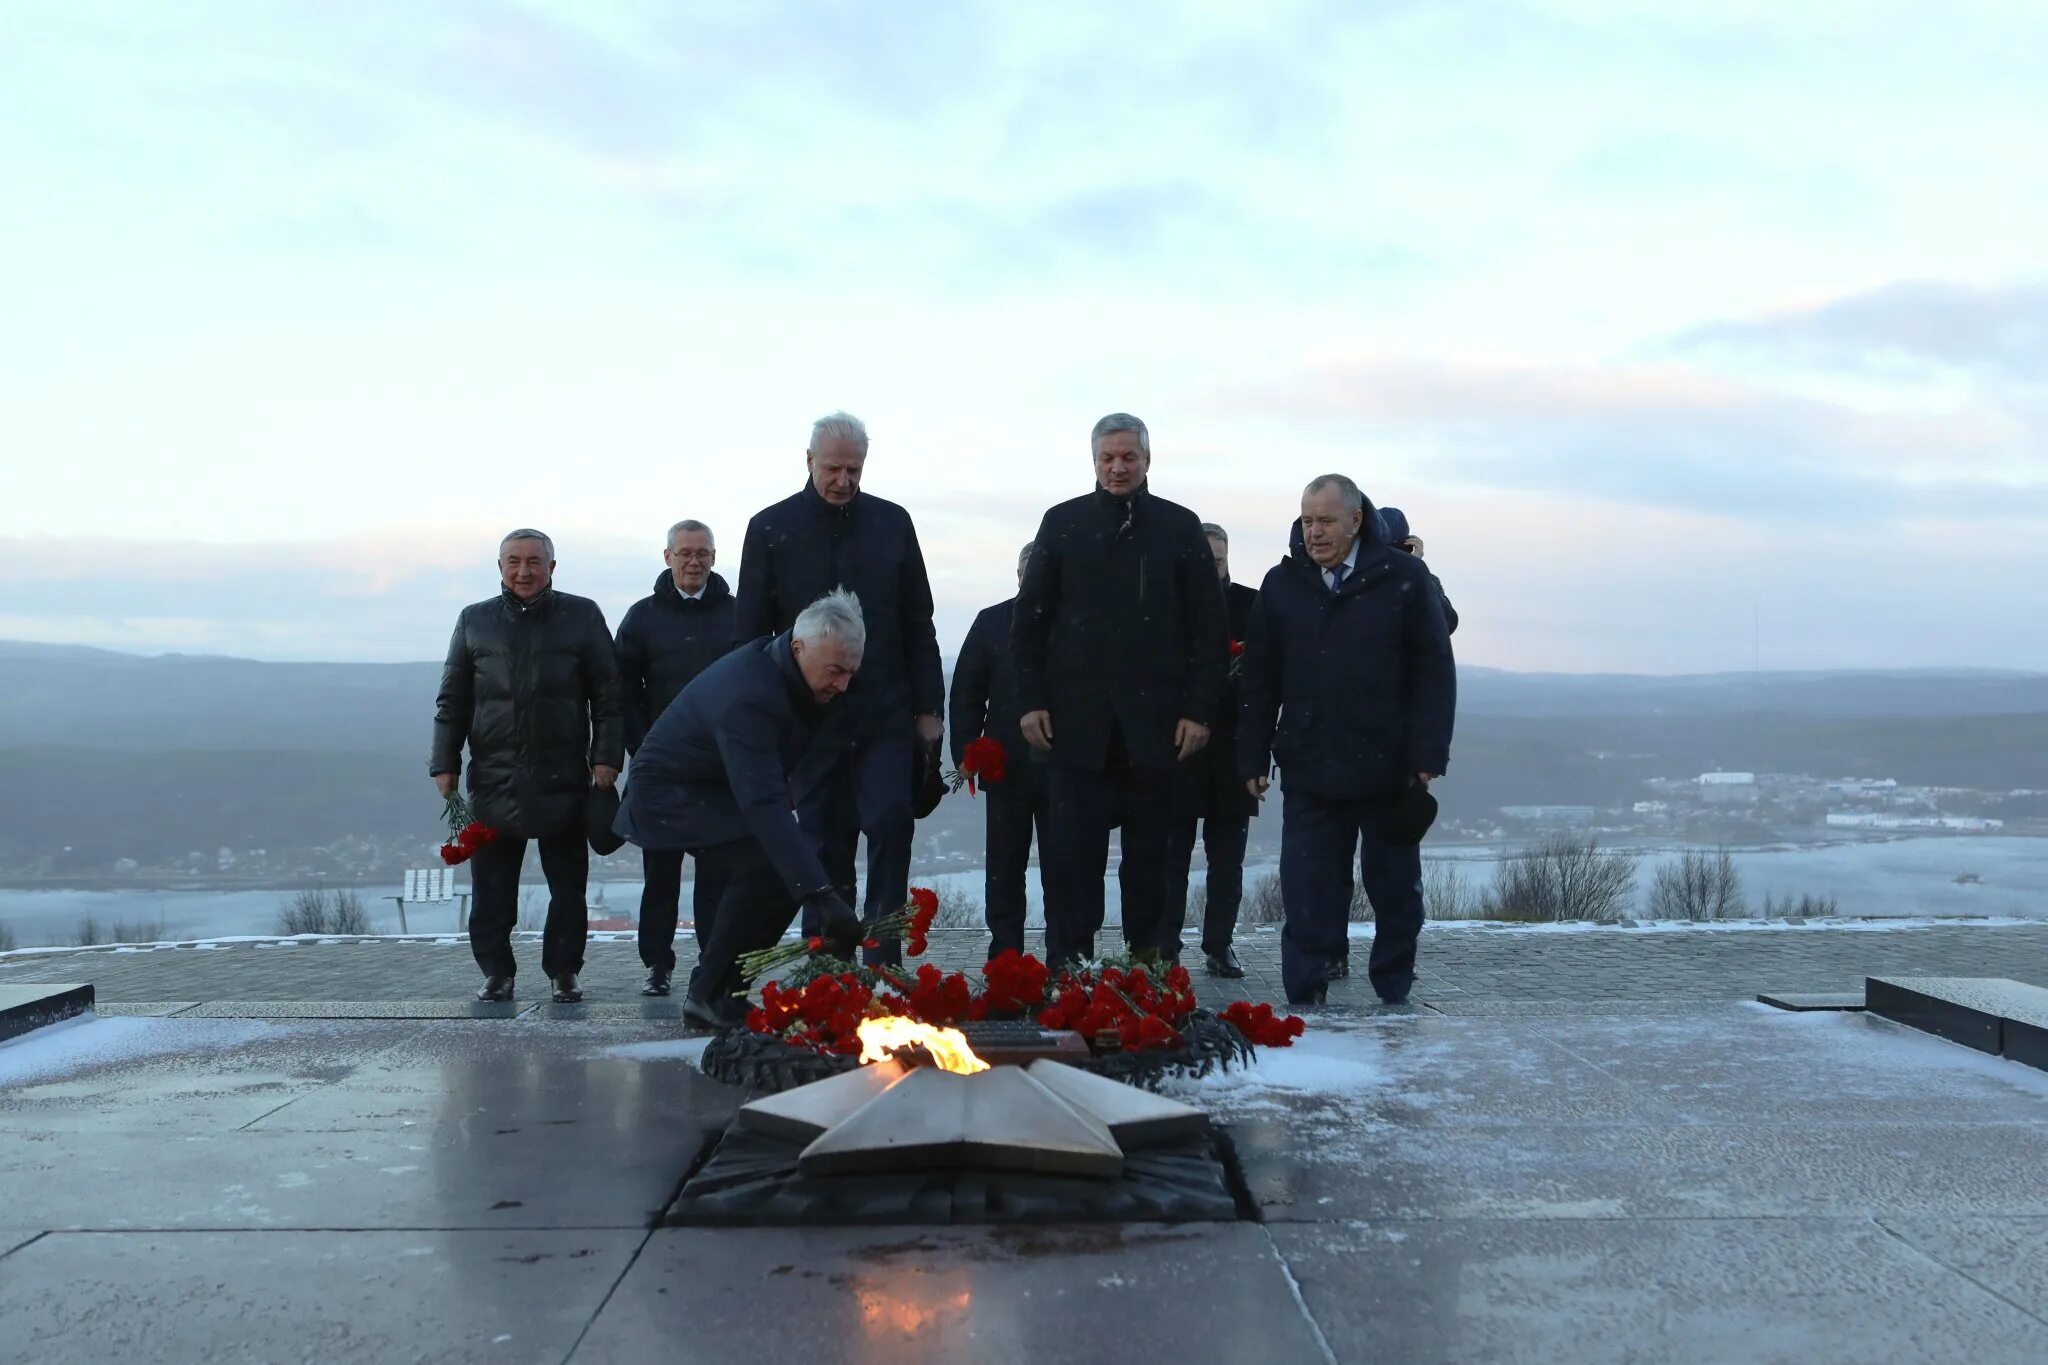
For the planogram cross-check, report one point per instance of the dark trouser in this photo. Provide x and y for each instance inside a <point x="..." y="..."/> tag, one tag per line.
<point x="874" y="800"/>
<point x="1317" y="839"/>
<point x="1223" y="841"/>
<point x="1012" y="815"/>
<point x="494" y="879"/>
<point x="754" y="908"/>
<point x="1075" y="856"/>
<point x="661" y="898"/>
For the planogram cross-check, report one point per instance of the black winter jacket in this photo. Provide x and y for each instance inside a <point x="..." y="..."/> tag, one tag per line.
<point x="1119" y="625"/>
<point x="803" y="547"/>
<point x="1209" y="784"/>
<point x="983" y="700"/>
<point x="739" y="754"/>
<point x="665" y="640"/>
<point x="1353" y="692"/>
<point x="533" y="689"/>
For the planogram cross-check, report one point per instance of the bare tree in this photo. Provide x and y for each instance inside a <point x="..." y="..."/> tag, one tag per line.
<point x="1445" y="892"/>
<point x="1262" y="903"/>
<point x="8" y="942"/>
<point x="348" y="915"/>
<point x="1564" y="878"/>
<point x="1807" y="906"/>
<point x="1699" y="886"/>
<point x="959" y="909"/>
<point x="89" y="931"/>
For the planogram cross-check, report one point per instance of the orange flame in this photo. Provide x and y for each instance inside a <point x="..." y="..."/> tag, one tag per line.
<point x="947" y="1046"/>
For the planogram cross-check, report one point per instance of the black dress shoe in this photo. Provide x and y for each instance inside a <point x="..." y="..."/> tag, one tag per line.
<point x="657" y="983"/>
<point x="1225" y="964"/>
<point x="1318" y="994"/>
<point x="494" y="989"/>
<point x="568" y="990"/>
<point x="715" y="1014"/>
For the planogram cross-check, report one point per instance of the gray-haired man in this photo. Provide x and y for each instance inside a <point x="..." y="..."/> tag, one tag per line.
<point x="731" y="773"/>
<point x="531" y="686"/>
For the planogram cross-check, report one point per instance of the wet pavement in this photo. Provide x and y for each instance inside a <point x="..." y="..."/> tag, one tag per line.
<point x="1678" y="1180"/>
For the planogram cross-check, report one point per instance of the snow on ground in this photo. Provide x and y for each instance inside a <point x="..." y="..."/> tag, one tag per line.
<point x="1680" y="926"/>
<point x="667" y="1049"/>
<point x="89" y="1041"/>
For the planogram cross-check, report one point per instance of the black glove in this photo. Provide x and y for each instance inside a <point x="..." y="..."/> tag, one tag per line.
<point x="839" y="926"/>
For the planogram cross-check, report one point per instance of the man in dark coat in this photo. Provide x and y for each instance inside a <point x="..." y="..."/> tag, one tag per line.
<point x="1210" y="793"/>
<point x="732" y="774"/>
<point x="665" y="640"/>
<point x="531" y="685"/>
<point x="833" y="535"/>
<point x="1121" y="653"/>
<point x="984" y="703"/>
<point x="1349" y="685"/>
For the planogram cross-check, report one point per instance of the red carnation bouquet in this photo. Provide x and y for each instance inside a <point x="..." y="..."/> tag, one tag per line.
<point x="983" y="762"/>
<point x="466" y="833"/>
<point x="913" y="922"/>
<point x="1260" y="1026"/>
<point x="1236" y="657"/>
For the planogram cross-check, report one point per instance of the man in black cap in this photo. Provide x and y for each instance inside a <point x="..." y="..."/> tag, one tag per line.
<point x="1121" y="655"/>
<point x="1350" y="686"/>
<point x="733" y="773"/>
<point x="666" y="639"/>
<point x="532" y="687"/>
<point x="983" y="702"/>
<point x="1394" y="531"/>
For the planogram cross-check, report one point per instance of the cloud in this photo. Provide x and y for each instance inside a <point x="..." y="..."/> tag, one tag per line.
<point x="1995" y="330"/>
<point x="1681" y="436"/>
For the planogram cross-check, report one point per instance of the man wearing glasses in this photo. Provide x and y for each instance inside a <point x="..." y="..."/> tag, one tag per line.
<point x="666" y="639"/>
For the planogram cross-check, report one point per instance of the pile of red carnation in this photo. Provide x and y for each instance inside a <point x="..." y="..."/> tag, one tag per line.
<point x="466" y="834"/>
<point x="1260" y="1026"/>
<point x="924" y="908"/>
<point x="824" y="1015"/>
<point x="1114" y="1008"/>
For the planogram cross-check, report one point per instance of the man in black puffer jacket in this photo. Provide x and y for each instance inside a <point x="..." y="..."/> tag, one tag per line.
<point x="666" y="640"/>
<point x="1349" y="685"/>
<point x="531" y="685"/>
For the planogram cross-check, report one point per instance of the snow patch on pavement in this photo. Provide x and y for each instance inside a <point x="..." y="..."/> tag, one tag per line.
<point x="89" y="1041"/>
<point x="666" y="1050"/>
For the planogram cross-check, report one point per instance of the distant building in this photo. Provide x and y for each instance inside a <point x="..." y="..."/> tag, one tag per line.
<point x="1960" y="824"/>
<point x="1864" y="786"/>
<point x="1728" y="789"/>
<point x="1550" y="815"/>
<point x="1651" y="807"/>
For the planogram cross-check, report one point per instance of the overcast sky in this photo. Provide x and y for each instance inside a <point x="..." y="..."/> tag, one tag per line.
<point x="1704" y="335"/>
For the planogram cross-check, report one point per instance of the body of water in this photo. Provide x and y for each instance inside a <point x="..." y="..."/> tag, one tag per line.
<point x="1907" y="878"/>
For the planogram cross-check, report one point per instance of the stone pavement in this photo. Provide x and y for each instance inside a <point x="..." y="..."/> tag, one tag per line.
<point x="1465" y="969"/>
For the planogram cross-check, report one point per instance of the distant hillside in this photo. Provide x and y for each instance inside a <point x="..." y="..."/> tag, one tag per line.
<point x="102" y="699"/>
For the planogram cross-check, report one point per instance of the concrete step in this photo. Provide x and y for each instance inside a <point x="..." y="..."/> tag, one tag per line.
<point x="1992" y="1014"/>
<point x="32" y="1007"/>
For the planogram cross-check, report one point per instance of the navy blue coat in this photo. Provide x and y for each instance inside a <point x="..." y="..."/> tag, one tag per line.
<point x="803" y="547"/>
<point x="736" y="755"/>
<point x="1208" y="783"/>
<point x="664" y="641"/>
<point x="1392" y="526"/>
<point x="1353" y="692"/>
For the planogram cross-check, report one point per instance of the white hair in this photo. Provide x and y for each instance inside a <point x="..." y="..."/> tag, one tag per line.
<point x="1215" y="532"/>
<point x="547" y="543"/>
<point x="1354" y="501"/>
<point x="841" y="424"/>
<point x="835" y="616"/>
<point x="690" y="524"/>
<point x="1120" y="421"/>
